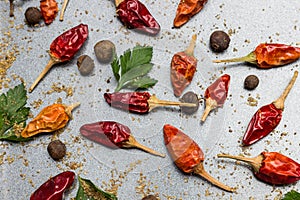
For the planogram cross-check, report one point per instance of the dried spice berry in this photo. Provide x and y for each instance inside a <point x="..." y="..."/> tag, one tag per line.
<point x="150" y="197"/>
<point x="85" y="65"/>
<point x="57" y="149"/>
<point x="219" y="41"/>
<point x="189" y="97"/>
<point x="33" y="15"/>
<point x="104" y="51"/>
<point x="251" y="82"/>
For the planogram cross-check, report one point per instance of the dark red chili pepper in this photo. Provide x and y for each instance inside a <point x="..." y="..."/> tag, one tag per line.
<point x="63" y="48"/>
<point x="272" y="167"/>
<point x="187" y="155"/>
<point x="113" y="134"/>
<point x="54" y="188"/>
<point x="216" y="94"/>
<point x="183" y="68"/>
<point x="269" y="55"/>
<point x="267" y="117"/>
<point x="135" y="15"/>
<point x="138" y="102"/>
<point x="187" y="9"/>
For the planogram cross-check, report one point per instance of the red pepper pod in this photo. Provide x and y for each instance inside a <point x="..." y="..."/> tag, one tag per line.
<point x="139" y="102"/>
<point x="63" y="48"/>
<point x="216" y="94"/>
<point x="187" y="155"/>
<point x="113" y="134"/>
<point x="183" y="68"/>
<point x="54" y="188"/>
<point x="49" y="10"/>
<point x="135" y="15"/>
<point x="266" y="119"/>
<point x="268" y="55"/>
<point x="262" y="123"/>
<point x="271" y="167"/>
<point x="108" y="133"/>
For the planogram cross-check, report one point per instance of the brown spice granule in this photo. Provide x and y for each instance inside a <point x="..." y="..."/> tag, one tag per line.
<point x="57" y="88"/>
<point x="92" y="192"/>
<point x="36" y="104"/>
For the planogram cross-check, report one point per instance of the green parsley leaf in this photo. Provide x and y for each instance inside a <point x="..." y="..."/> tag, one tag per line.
<point x="13" y="114"/>
<point x="292" y="195"/>
<point x="88" y="191"/>
<point x="132" y="66"/>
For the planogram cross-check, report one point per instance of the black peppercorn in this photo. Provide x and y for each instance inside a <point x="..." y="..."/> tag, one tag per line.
<point x="104" y="51"/>
<point x="85" y="65"/>
<point x="219" y="41"/>
<point x="56" y="149"/>
<point x="251" y="82"/>
<point x="189" y="97"/>
<point x="33" y="15"/>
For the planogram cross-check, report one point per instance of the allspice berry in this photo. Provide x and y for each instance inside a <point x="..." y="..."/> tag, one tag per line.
<point x="189" y="97"/>
<point x="85" y="65"/>
<point x="104" y="51"/>
<point x="56" y="149"/>
<point x="251" y="82"/>
<point x="150" y="197"/>
<point x="219" y="41"/>
<point x="33" y="15"/>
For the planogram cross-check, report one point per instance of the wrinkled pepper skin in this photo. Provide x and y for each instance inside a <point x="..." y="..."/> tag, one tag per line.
<point x="185" y="153"/>
<point x="51" y="118"/>
<point x="183" y="68"/>
<point x="218" y="90"/>
<point x="262" y="123"/>
<point x="187" y="9"/>
<point x="269" y="55"/>
<point x="49" y="10"/>
<point x="66" y="45"/>
<point x="278" y="169"/>
<point x="107" y="133"/>
<point x="135" y="15"/>
<point x="54" y="188"/>
<point x="136" y="102"/>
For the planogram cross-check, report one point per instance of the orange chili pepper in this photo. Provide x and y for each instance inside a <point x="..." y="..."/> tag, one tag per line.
<point x="183" y="68"/>
<point x="51" y="118"/>
<point x="49" y="9"/>
<point x="187" y="155"/>
<point x="187" y="9"/>
<point x="266" y="56"/>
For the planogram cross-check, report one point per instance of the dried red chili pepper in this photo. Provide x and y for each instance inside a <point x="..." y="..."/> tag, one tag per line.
<point x="54" y="188"/>
<point x="216" y="94"/>
<point x="139" y="102"/>
<point x="49" y="9"/>
<point x="183" y="68"/>
<point x="63" y="48"/>
<point x="187" y="9"/>
<point x="135" y="15"/>
<point x="51" y="118"/>
<point x="113" y="134"/>
<point x="187" y="155"/>
<point x="269" y="55"/>
<point x="267" y="117"/>
<point x="271" y="167"/>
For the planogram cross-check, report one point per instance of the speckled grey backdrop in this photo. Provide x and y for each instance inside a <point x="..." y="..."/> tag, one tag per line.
<point x="26" y="166"/>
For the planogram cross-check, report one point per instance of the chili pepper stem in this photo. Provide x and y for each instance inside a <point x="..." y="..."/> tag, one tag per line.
<point x="154" y="102"/>
<point x="131" y="142"/>
<point x="279" y="103"/>
<point x="117" y="2"/>
<point x="68" y="109"/>
<point x="62" y="12"/>
<point x="254" y="162"/>
<point x="199" y="169"/>
<point x="11" y="8"/>
<point x="190" y="50"/>
<point x="51" y="62"/>
<point x="210" y="105"/>
<point x="251" y="58"/>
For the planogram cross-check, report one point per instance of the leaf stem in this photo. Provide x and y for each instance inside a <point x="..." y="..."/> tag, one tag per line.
<point x="11" y="8"/>
<point x="62" y="12"/>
